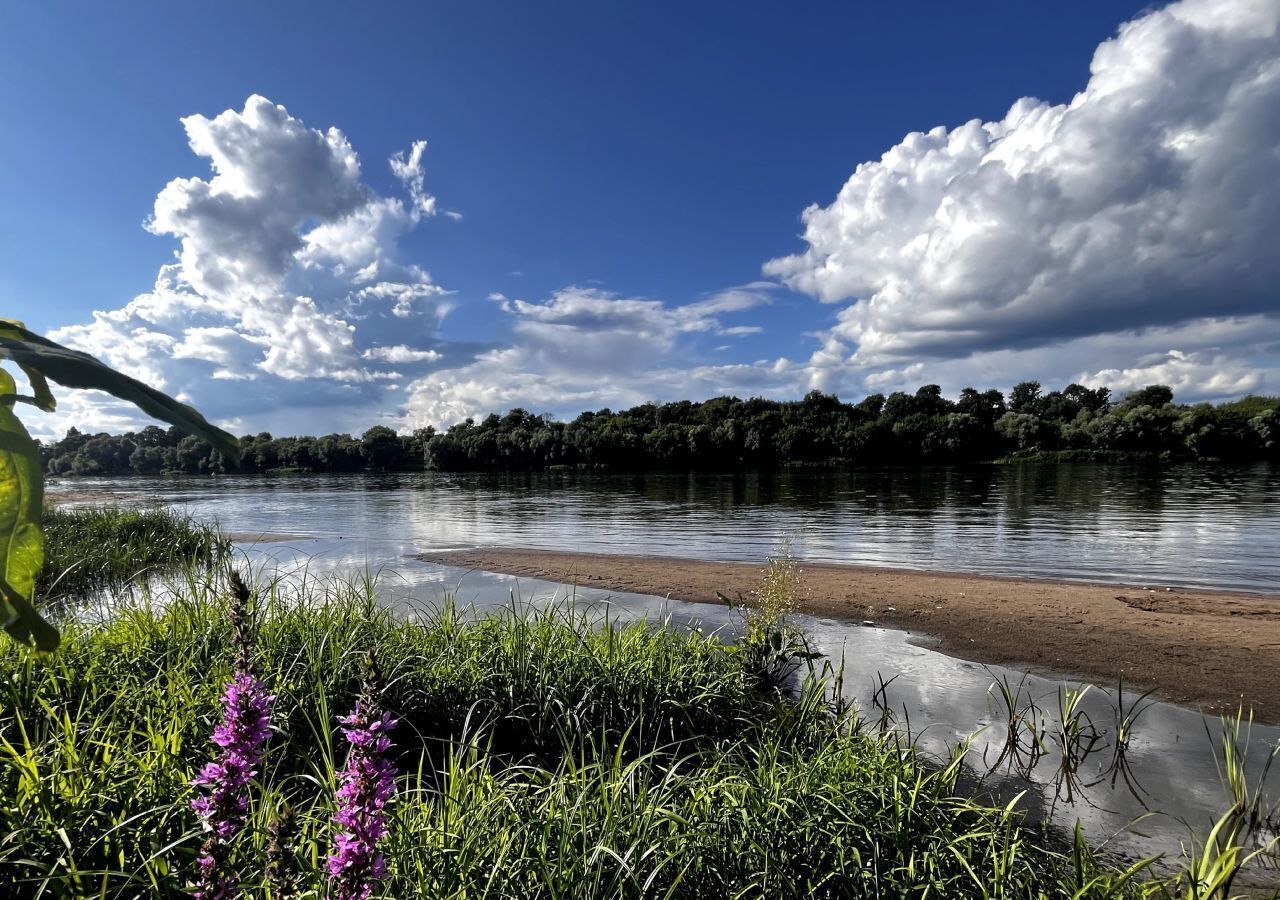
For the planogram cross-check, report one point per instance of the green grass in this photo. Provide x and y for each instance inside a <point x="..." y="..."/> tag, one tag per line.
<point x="93" y="548"/>
<point x="544" y="756"/>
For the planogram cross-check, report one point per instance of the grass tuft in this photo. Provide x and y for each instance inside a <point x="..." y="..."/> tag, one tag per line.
<point x="95" y="548"/>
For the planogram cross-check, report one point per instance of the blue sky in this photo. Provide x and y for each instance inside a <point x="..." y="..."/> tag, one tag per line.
<point x="598" y="180"/>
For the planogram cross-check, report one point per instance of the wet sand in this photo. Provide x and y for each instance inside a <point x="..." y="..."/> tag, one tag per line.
<point x="98" y="497"/>
<point x="1210" y="650"/>
<point x="265" y="537"/>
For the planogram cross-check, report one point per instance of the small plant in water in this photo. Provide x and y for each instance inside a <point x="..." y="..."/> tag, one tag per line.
<point x="1077" y="737"/>
<point x="1126" y="719"/>
<point x="223" y="798"/>
<point x="1024" y="734"/>
<point x="366" y="785"/>
<point x="775" y="649"/>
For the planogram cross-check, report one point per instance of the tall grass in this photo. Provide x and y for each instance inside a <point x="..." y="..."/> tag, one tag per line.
<point x="1240" y="835"/>
<point x="545" y="755"/>
<point x="98" y="547"/>
<point x="773" y="648"/>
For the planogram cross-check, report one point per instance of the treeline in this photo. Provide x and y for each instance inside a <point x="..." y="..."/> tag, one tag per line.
<point x="730" y="433"/>
<point x="155" y="451"/>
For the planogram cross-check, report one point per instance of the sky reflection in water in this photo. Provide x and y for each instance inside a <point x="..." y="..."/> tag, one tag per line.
<point x="1205" y="526"/>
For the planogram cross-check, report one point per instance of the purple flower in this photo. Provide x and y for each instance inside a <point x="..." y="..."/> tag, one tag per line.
<point x="365" y="787"/>
<point x="223" y="799"/>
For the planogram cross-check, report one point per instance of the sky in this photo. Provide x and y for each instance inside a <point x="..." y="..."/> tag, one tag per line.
<point x="306" y="218"/>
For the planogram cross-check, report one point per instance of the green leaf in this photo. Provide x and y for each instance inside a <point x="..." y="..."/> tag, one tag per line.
<point x="71" y="368"/>
<point x="21" y="540"/>
<point x="43" y="396"/>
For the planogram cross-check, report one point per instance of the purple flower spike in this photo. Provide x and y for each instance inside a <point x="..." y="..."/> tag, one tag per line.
<point x="222" y="797"/>
<point x="365" y="787"/>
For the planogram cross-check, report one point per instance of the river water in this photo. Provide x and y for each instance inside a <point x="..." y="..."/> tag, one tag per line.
<point x="1204" y="527"/>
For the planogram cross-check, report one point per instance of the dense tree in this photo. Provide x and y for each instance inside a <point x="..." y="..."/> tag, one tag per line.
<point x="729" y="433"/>
<point x="382" y="448"/>
<point x="1025" y="398"/>
<point x="1156" y="395"/>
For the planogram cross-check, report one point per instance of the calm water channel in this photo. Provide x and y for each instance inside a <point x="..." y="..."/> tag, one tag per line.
<point x="1204" y="526"/>
<point x="1210" y="527"/>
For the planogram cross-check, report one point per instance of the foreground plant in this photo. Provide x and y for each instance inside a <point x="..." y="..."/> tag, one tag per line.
<point x="1240" y="835"/>
<point x="22" y="474"/>
<point x="366" y="785"/>
<point x="223" y="801"/>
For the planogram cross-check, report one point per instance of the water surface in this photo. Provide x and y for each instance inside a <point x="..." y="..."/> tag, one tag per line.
<point x="1189" y="526"/>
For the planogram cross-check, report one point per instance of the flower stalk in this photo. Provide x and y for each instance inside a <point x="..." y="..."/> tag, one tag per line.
<point x="222" y="798"/>
<point x="281" y="873"/>
<point x="365" y="786"/>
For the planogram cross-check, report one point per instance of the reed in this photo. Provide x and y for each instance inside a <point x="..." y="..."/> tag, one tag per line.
<point x="1125" y="721"/>
<point x="95" y="548"/>
<point x="1075" y="738"/>
<point x="1024" y="730"/>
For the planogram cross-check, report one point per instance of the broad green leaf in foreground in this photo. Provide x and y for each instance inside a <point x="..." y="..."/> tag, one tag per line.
<point x="71" y="368"/>
<point x="21" y="540"/>
<point x="21" y="473"/>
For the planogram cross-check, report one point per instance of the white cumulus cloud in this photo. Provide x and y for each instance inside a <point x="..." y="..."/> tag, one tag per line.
<point x="1151" y="198"/>
<point x="287" y="274"/>
<point x="401" y="354"/>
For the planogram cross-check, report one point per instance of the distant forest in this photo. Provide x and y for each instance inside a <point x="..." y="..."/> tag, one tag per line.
<point x="727" y="433"/>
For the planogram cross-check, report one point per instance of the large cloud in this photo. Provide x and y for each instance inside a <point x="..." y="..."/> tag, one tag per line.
<point x="1152" y="198"/>
<point x="1201" y="359"/>
<point x="1124" y="238"/>
<point x="287" y="275"/>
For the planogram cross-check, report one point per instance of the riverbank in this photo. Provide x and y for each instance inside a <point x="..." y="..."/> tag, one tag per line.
<point x="1211" y="650"/>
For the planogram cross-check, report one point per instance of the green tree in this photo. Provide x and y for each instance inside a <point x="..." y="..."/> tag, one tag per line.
<point x="1155" y="395"/>
<point x="1025" y="397"/>
<point x="381" y="448"/>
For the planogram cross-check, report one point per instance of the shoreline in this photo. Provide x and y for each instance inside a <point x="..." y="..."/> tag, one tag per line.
<point x="1208" y="649"/>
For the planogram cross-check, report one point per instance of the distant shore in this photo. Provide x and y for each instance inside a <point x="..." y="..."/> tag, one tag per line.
<point x="1206" y="649"/>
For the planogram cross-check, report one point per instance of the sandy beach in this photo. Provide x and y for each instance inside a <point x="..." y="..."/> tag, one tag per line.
<point x="61" y="497"/>
<point x="1209" y="650"/>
